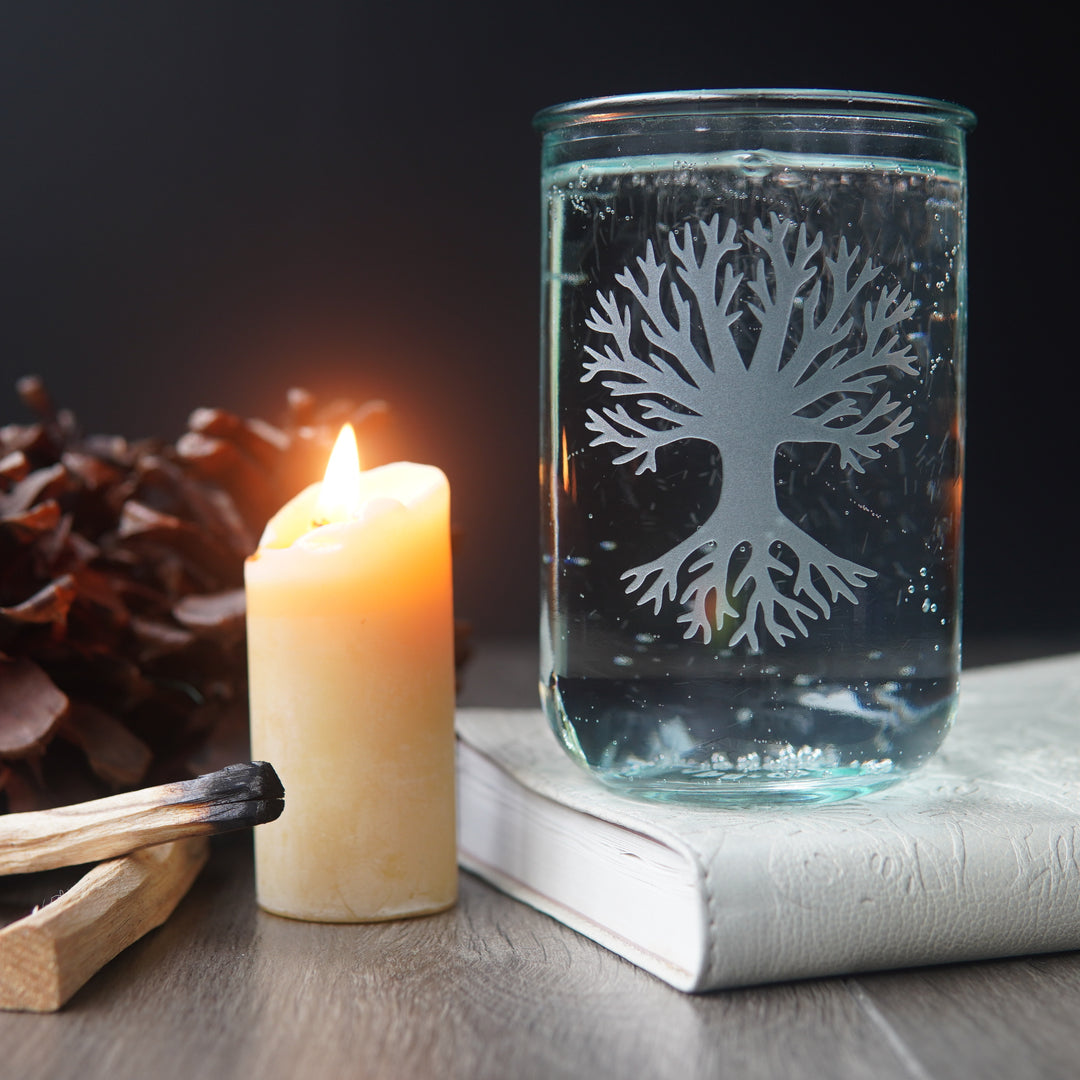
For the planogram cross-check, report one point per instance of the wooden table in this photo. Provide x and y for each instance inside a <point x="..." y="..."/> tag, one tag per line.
<point x="494" y="989"/>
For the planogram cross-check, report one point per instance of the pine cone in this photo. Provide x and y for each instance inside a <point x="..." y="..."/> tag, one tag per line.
<point x="122" y="651"/>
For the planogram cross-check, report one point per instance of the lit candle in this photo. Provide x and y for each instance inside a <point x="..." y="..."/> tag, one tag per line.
<point x="351" y="672"/>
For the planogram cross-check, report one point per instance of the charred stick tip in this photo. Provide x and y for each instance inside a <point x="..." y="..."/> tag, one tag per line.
<point x="226" y="817"/>
<point x="238" y="796"/>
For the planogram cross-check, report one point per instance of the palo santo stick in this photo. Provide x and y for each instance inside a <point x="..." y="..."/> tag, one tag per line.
<point x="46" y="956"/>
<point x="235" y="797"/>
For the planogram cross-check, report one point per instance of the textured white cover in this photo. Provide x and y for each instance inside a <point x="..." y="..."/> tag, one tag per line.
<point x="976" y="856"/>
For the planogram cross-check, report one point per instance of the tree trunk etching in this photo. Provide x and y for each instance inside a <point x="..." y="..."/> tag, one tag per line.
<point x="811" y="377"/>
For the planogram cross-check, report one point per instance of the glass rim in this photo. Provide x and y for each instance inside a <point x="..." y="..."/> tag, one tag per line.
<point x="844" y="103"/>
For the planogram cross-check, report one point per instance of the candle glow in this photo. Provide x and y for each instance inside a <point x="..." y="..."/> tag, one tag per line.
<point x="339" y="496"/>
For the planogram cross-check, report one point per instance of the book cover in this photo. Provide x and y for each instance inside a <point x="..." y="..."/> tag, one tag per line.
<point x="976" y="856"/>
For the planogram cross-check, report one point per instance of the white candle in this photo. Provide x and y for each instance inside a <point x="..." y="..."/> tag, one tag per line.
<point x="351" y="672"/>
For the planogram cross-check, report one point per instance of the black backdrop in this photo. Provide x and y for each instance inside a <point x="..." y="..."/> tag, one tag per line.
<point x="204" y="203"/>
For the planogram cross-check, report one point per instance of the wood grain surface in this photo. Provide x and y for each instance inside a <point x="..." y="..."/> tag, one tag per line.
<point x="493" y="989"/>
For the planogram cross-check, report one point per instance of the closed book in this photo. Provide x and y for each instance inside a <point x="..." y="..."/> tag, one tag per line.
<point x="975" y="856"/>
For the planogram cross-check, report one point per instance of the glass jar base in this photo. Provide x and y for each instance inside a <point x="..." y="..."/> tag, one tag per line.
<point x="741" y="741"/>
<point x="745" y="790"/>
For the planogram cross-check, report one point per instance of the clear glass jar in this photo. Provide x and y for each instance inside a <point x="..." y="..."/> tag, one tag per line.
<point x="753" y="325"/>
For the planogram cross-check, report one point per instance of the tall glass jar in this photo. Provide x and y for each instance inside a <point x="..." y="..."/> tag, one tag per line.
<point x="753" y="324"/>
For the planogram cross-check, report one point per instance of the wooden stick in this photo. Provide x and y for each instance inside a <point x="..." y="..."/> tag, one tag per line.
<point x="46" y="956"/>
<point x="236" y="797"/>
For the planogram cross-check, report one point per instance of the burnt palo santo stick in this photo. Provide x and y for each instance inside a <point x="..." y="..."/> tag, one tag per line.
<point x="235" y="797"/>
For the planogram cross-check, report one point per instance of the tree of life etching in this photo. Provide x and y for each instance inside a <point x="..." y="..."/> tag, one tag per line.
<point x="810" y="374"/>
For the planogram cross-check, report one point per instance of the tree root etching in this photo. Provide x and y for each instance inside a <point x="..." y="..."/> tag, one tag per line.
<point x="826" y="341"/>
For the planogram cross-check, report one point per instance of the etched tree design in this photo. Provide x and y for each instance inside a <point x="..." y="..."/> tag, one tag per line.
<point x="810" y="375"/>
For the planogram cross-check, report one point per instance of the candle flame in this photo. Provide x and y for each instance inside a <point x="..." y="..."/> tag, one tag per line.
<point x="339" y="499"/>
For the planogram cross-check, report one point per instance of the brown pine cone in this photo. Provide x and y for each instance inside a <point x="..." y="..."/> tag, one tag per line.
<point x="122" y="652"/>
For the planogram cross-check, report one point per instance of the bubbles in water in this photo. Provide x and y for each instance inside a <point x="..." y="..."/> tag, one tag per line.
<point x="755" y="164"/>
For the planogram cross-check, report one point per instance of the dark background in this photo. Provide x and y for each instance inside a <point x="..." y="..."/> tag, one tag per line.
<point x="207" y="203"/>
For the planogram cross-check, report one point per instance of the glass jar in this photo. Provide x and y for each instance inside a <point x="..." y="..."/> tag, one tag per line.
<point x="753" y="326"/>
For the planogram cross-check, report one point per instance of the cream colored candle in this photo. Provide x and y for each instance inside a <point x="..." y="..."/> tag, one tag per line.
<point x="351" y="670"/>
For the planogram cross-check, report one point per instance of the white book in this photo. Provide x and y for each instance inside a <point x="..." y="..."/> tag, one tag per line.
<point x="975" y="856"/>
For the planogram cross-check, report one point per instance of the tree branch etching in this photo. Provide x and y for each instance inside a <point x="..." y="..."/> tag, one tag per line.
<point x="673" y="370"/>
